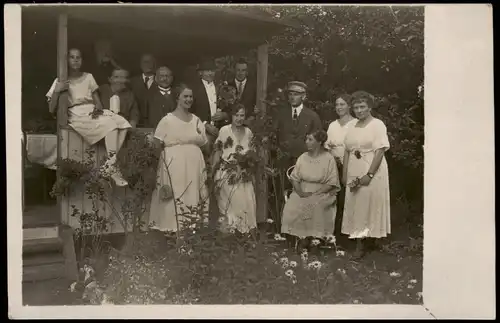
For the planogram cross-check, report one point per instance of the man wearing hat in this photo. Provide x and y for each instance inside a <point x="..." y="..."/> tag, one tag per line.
<point x="205" y="99"/>
<point x="292" y="123"/>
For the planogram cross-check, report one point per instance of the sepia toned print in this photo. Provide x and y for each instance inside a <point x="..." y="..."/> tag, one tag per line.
<point x="153" y="216"/>
<point x="142" y="188"/>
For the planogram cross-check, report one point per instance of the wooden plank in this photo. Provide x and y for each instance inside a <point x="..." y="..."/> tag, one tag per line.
<point x="261" y="182"/>
<point x="43" y="259"/>
<point x="70" y="263"/>
<point x="41" y="245"/>
<point x="62" y="115"/>
<point x="40" y="233"/>
<point x="63" y="201"/>
<point x="43" y="272"/>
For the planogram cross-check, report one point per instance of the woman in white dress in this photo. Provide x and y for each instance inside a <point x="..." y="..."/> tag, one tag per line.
<point x="335" y="144"/>
<point x="181" y="169"/>
<point x="315" y="179"/>
<point x="86" y="114"/>
<point x="235" y="196"/>
<point x="366" y="175"/>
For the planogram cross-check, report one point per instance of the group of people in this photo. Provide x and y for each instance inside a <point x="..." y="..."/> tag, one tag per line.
<point x="336" y="174"/>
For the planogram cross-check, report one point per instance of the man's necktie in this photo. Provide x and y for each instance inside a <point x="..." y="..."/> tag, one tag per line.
<point x="295" y="115"/>
<point x="146" y="81"/>
<point x="240" y="88"/>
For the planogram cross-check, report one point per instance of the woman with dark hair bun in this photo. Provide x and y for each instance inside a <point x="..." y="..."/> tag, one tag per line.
<point x="308" y="212"/>
<point x="181" y="170"/>
<point x="335" y="144"/>
<point x="236" y="196"/>
<point x="367" y="200"/>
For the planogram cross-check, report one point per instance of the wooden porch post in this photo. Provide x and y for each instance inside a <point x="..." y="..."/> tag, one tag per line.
<point x="261" y="189"/>
<point x="62" y="75"/>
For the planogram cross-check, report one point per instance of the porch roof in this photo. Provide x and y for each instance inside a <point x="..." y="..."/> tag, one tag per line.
<point x="181" y="31"/>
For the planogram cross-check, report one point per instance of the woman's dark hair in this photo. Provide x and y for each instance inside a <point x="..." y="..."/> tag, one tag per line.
<point x="235" y="108"/>
<point x="344" y="96"/>
<point x="363" y="96"/>
<point x="176" y="91"/>
<point x="320" y="136"/>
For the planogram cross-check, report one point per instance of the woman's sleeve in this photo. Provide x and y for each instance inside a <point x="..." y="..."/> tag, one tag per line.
<point x="295" y="175"/>
<point x="200" y="128"/>
<point x="161" y="129"/>
<point x="328" y="141"/>
<point x="51" y="90"/>
<point x="332" y="174"/>
<point x="380" y="140"/>
<point x="92" y="83"/>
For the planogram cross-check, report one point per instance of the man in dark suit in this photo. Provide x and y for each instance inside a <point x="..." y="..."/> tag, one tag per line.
<point x="103" y="64"/>
<point x="117" y="97"/>
<point x="141" y="84"/>
<point x="292" y="123"/>
<point x="246" y="89"/>
<point x="160" y="100"/>
<point x="205" y="100"/>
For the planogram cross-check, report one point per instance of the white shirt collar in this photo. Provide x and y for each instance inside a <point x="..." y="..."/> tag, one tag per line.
<point x="242" y="82"/>
<point x="207" y="84"/>
<point x="298" y="109"/>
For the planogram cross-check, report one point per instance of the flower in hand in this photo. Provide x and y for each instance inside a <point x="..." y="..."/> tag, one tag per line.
<point x="96" y="113"/>
<point x="354" y="185"/>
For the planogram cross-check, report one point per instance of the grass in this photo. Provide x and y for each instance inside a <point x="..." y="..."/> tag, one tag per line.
<point x="207" y="269"/>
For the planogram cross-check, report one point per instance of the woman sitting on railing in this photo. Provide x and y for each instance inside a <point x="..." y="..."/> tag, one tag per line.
<point x="308" y="212"/>
<point x="87" y="116"/>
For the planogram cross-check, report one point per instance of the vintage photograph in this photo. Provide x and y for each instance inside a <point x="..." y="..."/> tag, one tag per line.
<point x="214" y="154"/>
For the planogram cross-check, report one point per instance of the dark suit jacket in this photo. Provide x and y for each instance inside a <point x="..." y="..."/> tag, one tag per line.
<point x="200" y="107"/>
<point x="157" y="106"/>
<point x="249" y="95"/>
<point x="128" y="104"/>
<point x="291" y="137"/>
<point x="142" y="93"/>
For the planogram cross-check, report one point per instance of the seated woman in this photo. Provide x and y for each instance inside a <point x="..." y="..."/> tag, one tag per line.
<point x="181" y="169"/>
<point x="86" y="114"/>
<point x="235" y="194"/>
<point x="308" y="211"/>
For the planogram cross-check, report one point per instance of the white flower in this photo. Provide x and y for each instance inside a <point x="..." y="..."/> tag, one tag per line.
<point x="331" y="239"/>
<point x="192" y="226"/>
<point x="413" y="281"/>
<point x="304" y="256"/>
<point x="293" y="264"/>
<point x="72" y="287"/>
<point x="410" y="286"/>
<point x="419" y="295"/>
<point x="275" y="254"/>
<point x="315" y="242"/>
<point x="221" y="219"/>
<point x="270" y="221"/>
<point x="231" y="230"/>
<point x="315" y="264"/>
<point x="342" y="271"/>
<point x="289" y="273"/>
<point x="340" y="253"/>
<point x="395" y="274"/>
<point x="280" y="90"/>
<point x="278" y="237"/>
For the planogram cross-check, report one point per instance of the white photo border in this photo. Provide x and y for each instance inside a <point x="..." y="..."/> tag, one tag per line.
<point x="459" y="243"/>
